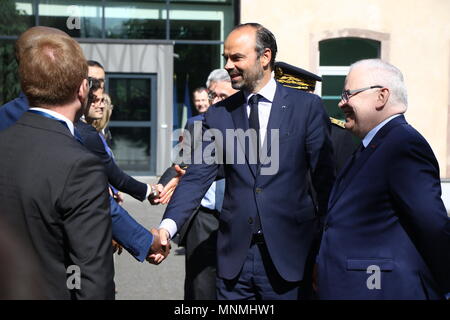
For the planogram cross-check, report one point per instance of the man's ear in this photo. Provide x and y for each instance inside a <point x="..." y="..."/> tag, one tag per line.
<point x="266" y="57"/>
<point x="382" y="98"/>
<point x="83" y="90"/>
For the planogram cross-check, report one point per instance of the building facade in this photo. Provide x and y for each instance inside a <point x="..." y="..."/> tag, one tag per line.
<point x="325" y="37"/>
<point x="156" y="52"/>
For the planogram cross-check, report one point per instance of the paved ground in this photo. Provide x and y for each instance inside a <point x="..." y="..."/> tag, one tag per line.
<point x="144" y="281"/>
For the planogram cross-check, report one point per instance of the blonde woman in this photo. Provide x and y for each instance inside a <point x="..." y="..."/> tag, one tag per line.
<point x="102" y="124"/>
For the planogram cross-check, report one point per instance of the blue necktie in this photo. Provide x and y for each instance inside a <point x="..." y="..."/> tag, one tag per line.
<point x="253" y="123"/>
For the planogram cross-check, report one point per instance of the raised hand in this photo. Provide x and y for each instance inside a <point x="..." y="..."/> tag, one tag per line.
<point x="169" y="189"/>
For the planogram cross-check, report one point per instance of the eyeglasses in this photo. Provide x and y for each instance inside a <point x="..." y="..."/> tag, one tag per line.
<point x="347" y="94"/>
<point x="90" y="81"/>
<point x="212" y="95"/>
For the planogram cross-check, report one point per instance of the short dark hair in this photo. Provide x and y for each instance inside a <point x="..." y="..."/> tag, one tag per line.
<point x="93" y="63"/>
<point x="95" y="85"/>
<point x="199" y="89"/>
<point x="264" y="39"/>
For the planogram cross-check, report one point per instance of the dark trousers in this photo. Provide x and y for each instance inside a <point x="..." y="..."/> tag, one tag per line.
<point x="201" y="243"/>
<point x="259" y="280"/>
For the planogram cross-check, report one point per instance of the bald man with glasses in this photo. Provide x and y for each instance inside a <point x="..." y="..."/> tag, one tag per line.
<point x="387" y="233"/>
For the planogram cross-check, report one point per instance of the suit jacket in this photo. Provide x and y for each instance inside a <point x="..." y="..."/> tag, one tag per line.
<point x="12" y="111"/>
<point x="385" y="210"/>
<point x="282" y="200"/>
<point x="207" y="222"/>
<point x="54" y="193"/>
<point x="343" y="145"/>
<point x="117" y="178"/>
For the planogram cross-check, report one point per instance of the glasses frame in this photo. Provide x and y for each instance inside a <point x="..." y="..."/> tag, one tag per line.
<point x="347" y="94"/>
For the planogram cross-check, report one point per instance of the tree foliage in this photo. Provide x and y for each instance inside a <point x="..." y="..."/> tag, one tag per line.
<point x="12" y="24"/>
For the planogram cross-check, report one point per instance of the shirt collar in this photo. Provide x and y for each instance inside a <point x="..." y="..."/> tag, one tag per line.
<point x="267" y="92"/>
<point x="368" y="138"/>
<point x="57" y="116"/>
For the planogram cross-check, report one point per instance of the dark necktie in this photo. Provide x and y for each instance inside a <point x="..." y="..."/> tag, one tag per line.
<point x="359" y="151"/>
<point x="253" y="123"/>
<point x="353" y="159"/>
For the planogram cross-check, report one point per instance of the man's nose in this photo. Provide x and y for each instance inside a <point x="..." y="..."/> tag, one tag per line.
<point x="229" y="65"/>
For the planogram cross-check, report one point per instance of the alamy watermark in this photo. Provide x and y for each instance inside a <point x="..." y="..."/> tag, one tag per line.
<point x="74" y="19"/>
<point x="208" y="147"/>
<point x="374" y="280"/>
<point x="74" y="278"/>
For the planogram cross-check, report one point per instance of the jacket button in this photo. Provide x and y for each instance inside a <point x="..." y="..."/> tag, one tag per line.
<point x="325" y="227"/>
<point x="250" y="221"/>
<point x="258" y="190"/>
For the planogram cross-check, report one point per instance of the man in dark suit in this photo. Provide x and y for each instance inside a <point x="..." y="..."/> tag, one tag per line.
<point x="51" y="189"/>
<point x="126" y="231"/>
<point x="387" y="233"/>
<point x="268" y="222"/>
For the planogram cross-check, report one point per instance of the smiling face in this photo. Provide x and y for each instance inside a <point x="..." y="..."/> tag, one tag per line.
<point x="97" y="106"/>
<point x="245" y="68"/>
<point x="361" y="114"/>
<point x="201" y="101"/>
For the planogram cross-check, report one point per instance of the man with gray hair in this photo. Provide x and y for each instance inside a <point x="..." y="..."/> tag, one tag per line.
<point x="219" y="85"/>
<point x="387" y="233"/>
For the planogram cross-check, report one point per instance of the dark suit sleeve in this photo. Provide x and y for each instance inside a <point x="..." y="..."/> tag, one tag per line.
<point x="12" y="111"/>
<point x="320" y="153"/>
<point x="116" y="177"/>
<point x="87" y="228"/>
<point x="129" y="233"/>
<point x="192" y="188"/>
<point x="416" y="190"/>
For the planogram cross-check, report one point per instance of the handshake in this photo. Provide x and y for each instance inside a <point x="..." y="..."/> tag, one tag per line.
<point x="160" y="247"/>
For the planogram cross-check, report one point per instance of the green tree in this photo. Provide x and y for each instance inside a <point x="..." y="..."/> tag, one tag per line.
<point x="12" y="24"/>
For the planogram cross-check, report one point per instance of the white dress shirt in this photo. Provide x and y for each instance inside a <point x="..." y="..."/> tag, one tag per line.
<point x="58" y="116"/>
<point x="369" y="136"/>
<point x="264" y="107"/>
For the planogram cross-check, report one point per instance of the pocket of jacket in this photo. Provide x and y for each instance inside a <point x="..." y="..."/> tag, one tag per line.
<point x="364" y="264"/>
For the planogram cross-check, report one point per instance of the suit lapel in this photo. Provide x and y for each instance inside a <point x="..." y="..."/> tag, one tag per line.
<point x="277" y="112"/>
<point x="353" y="167"/>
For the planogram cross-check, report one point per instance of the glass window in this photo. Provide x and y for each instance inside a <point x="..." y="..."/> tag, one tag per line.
<point x="200" y="22"/>
<point x="15" y="17"/>
<point x="133" y="121"/>
<point x="9" y="79"/>
<point x="131" y="148"/>
<point x="136" y="20"/>
<point x="192" y="64"/>
<point x="332" y="87"/>
<point x="336" y="55"/>
<point x="80" y="19"/>
<point x="131" y="98"/>
<point x="345" y="51"/>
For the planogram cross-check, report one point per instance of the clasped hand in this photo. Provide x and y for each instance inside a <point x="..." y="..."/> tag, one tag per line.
<point x="160" y="247"/>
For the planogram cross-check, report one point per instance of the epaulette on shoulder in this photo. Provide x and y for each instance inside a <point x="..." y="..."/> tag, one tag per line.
<point x="337" y="122"/>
